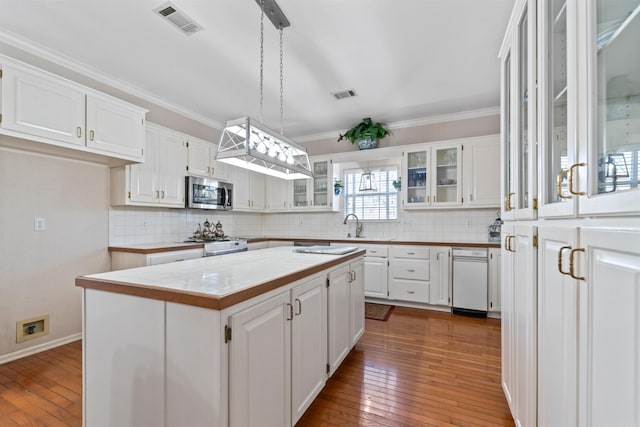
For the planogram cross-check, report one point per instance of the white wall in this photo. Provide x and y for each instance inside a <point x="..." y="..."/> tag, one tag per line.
<point x="38" y="269"/>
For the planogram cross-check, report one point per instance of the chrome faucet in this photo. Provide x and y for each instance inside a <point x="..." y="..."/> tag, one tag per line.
<point x="358" y="225"/>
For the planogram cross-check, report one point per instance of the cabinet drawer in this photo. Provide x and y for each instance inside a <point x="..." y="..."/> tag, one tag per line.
<point x="376" y="250"/>
<point x="410" y="269"/>
<point x="416" y="252"/>
<point x="409" y="290"/>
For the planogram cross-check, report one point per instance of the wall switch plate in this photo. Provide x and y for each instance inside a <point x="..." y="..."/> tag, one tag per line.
<point x="39" y="224"/>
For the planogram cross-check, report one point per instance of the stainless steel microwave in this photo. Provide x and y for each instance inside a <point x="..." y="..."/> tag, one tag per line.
<point x="205" y="193"/>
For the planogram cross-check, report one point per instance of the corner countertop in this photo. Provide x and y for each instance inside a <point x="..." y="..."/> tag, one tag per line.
<point x="216" y="282"/>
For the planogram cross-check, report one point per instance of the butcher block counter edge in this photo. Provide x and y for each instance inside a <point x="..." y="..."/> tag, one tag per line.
<point x="209" y="301"/>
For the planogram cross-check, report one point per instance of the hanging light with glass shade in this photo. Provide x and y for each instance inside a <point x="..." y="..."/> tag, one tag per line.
<point x="368" y="181"/>
<point x="249" y="144"/>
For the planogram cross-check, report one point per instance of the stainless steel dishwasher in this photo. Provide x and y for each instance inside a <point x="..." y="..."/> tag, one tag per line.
<point x="470" y="278"/>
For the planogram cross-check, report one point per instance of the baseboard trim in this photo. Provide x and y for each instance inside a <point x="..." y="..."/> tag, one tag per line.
<point x="39" y="348"/>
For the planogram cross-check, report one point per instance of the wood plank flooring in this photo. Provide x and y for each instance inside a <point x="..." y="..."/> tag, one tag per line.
<point x="419" y="368"/>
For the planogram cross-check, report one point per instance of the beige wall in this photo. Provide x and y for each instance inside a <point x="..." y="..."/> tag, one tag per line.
<point x="38" y="269"/>
<point x="453" y="129"/>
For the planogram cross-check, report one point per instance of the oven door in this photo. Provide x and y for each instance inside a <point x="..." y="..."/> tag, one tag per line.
<point x="203" y="193"/>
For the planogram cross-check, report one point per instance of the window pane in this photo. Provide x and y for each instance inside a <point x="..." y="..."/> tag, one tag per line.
<point x="379" y="204"/>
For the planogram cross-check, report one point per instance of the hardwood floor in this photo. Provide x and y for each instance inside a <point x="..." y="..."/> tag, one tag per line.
<point x="419" y="368"/>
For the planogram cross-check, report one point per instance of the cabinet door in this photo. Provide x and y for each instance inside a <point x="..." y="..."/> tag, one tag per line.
<point x="557" y="328"/>
<point x="447" y="181"/>
<point x="481" y="178"/>
<point x="508" y="315"/>
<point x="525" y="325"/>
<point x="440" y="286"/>
<point x="241" y="188"/>
<point x="557" y="108"/>
<point x="356" y="298"/>
<point x="609" y="130"/>
<point x="38" y="104"/>
<point x="277" y="194"/>
<point x="375" y="277"/>
<point x="322" y="183"/>
<point x="507" y="178"/>
<point x="114" y="127"/>
<point x="171" y="167"/>
<point x="260" y="365"/>
<point x="416" y="189"/>
<point x="494" y="280"/>
<point x="609" y="340"/>
<point x="198" y="157"/>
<point x="301" y="193"/>
<point x="339" y="307"/>
<point x="258" y="197"/>
<point x="309" y="344"/>
<point x="143" y="176"/>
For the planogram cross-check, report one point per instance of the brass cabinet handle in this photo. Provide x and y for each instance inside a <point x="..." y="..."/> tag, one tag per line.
<point x="507" y="243"/>
<point x="157" y="194"/>
<point x="299" y="312"/>
<point x="290" y="307"/>
<point x="507" y="202"/>
<point x="92" y="134"/>
<point x="572" y="264"/>
<point x="562" y="249"/>
<point x="571" y="172"/>
<point x="559" y="184"/>
<point x="79" y="132"/>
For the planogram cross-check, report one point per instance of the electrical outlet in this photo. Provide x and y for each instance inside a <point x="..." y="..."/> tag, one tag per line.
<point x="39" y="224"/>
<point x="29" y="329"/>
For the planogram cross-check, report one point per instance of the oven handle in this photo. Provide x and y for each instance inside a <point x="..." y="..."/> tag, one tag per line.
<point x="224" y="196"/>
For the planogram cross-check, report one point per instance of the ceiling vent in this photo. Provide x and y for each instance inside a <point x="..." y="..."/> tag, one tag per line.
<point x="181" y="20"/>
<point x="350" y="93"/>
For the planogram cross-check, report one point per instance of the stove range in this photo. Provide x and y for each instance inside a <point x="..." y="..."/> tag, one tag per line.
<point x="221" y="245"/>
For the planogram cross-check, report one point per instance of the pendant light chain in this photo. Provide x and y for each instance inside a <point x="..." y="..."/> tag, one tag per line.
<point x="281" y="87"/>
<point x="261" y="56"/>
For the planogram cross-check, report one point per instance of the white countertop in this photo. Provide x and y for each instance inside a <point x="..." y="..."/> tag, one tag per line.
<point x="215" y="277"/>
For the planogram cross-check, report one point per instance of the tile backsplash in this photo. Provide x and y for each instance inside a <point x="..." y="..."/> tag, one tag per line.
<point x="137" y="225"/>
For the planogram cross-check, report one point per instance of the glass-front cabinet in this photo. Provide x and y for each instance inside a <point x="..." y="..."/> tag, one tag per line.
<point x="610" y="66"/>
<point x="519" y="116"/>
<point x="433" y="176"/>
<point x="317" y="193"/>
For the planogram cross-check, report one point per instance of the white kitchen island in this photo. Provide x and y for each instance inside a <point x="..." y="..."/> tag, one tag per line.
<point x="245" y="339"/>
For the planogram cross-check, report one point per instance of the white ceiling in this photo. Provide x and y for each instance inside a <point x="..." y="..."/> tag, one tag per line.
<point x="406" y="59"/>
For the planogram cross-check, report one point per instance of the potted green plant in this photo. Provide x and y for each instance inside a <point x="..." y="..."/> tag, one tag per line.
<point x="337" y="186"/>
<point x="367" y="133"/>
<point x="397" y="183"/>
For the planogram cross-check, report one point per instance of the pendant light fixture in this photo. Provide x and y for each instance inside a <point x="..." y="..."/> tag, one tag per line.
<point x="368" y="181"/>
<point x="250" y="144"/>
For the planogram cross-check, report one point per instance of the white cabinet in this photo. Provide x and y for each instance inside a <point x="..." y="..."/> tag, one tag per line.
<point x="481" y="177"/>
<point x="557" y="328"/>
<point x="260" y="364"/>
<point x="440" y="286"/>
<point x="249" y="189"/>
<point x="277" y="194"/>
<point x="493" y="303"/>
<point x="201" y="159"/>
<point x="123" y="260"/>
<point x="159" y="181"/>
<point x="376" y="265"/>
<point x="317" y="193"/>
<point x="447" y="181"/>
<point x="278" y="356"/>
<point x="345" y="311"/>
<point x="409" y="273"/>
<point x="59" y="112"/>
<point x="519" y="320"/>
<point x="609" y="325"/>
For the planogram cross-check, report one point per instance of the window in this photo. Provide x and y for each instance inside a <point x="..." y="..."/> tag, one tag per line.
<point x="380" y="204"/>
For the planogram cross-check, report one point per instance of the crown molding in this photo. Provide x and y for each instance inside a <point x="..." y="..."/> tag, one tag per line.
<point x="57" y="58"/>
<point x="471" y="114"/>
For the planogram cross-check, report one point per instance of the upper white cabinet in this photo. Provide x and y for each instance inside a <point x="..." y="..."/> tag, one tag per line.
<point x="519" y="166"/>
<point x="278" y="193"/>
<point x="578" y="103"/>
<point x="201" y="159"/>
<point x="249" y="188"/>
<point x="317" y="193"/>
<point x="458" y="173"/>
<point x="47" y="108"/>
<point x="480" y="176"/>
<point x="159" y="181"/>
